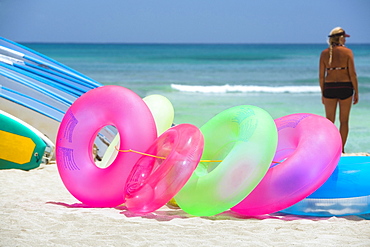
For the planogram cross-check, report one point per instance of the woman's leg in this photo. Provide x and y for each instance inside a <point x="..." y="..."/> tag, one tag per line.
<point x="344" y="110"/>
<point x="330" y="108"/>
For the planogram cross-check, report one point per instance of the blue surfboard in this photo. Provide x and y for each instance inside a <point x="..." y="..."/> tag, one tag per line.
<point x="346" y="192"/>
<point x="36" y="88"/>
<point x="39" y="90"/>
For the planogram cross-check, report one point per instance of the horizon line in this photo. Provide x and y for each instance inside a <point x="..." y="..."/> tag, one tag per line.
<point x="176" y="43"/>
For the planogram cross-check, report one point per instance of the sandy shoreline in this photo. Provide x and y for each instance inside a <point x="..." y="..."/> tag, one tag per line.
<point x="37" y="210"/>
<point x="356" y="154"/>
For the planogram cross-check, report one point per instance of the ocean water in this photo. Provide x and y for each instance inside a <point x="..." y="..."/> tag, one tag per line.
<point x="202" y="80"/>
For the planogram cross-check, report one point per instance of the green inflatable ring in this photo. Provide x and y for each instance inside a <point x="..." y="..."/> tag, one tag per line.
<point x="244" y="139"/>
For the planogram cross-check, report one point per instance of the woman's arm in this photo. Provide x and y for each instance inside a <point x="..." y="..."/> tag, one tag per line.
<point x="322" y="70"/>
<point x="353" y="76"/>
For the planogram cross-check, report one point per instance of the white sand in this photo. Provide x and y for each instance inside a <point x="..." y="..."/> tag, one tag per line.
<point x="37" y="210"/>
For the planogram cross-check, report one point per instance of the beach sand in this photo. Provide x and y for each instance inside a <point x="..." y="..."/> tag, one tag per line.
<point x="37" y="210"/>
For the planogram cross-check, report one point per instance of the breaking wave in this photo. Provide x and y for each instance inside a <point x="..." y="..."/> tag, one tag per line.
<point x="245" y="89"/>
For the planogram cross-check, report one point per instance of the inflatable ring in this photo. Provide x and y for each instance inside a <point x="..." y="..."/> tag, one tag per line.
<point x="154" y="181"/>
<point x="309" y="149"/>
<point x="346" y="192"/>
<point x="100" y="107"/>
<point x="245" y="139"/>
<point x="163" y="113"/>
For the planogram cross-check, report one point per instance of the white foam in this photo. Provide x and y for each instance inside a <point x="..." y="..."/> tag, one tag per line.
<point x="245" y="89"/>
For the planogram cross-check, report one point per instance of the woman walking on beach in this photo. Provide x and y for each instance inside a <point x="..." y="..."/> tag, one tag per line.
<point x="338" y="80"/>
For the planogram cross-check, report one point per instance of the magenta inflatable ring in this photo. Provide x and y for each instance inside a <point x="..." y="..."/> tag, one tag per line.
<point x="309" y="148"/>
<point x="100" y="107"/>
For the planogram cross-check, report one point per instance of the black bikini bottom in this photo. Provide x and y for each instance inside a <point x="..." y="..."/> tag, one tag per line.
<point x="338" y="90"/>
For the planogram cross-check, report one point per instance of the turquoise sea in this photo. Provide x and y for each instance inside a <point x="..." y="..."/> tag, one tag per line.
<point x="202" y="80"/>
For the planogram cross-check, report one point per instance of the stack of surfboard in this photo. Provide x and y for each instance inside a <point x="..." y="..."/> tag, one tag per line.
<point x="37" y="90"/>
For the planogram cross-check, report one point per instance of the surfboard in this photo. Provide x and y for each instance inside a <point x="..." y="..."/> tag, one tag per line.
<point x="40" y="107"/>
<point x="346" y="192"/>
<point x="36" y="88"/>
<point x="37" y="60"/>
<point x="20" y="147"/>
<point x="50" y="146"/>
<point x="39" y="90"/>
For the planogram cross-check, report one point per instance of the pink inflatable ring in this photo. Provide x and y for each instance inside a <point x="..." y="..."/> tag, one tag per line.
<point x="309" y="148"/>
<point x="100" y="107"/>
<point x="155" y="180"/>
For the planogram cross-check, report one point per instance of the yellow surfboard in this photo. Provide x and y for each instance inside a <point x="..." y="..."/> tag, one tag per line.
<point x="20" y="147"/>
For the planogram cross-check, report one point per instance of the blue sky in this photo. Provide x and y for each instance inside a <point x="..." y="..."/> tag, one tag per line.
<point x="183" y="21"/>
